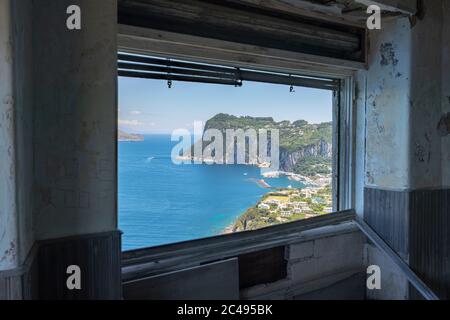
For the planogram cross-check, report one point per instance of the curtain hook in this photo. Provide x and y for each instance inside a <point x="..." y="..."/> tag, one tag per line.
<point x="291" y="89"/>
<point x="238" y="79"/>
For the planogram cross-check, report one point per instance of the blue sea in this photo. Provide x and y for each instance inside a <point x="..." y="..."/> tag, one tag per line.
<point x="162" y="203"/>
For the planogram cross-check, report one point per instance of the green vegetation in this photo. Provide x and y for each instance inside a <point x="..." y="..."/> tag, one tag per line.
<point x="283" y="206"/>
<point x="312" y="166"/>
<point x="293" y="136"/>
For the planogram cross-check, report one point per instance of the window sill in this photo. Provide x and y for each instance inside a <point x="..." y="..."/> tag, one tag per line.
<point x="156" y="260"/>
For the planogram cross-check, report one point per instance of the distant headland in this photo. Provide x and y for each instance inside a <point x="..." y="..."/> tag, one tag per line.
<point x="124" y="136"/>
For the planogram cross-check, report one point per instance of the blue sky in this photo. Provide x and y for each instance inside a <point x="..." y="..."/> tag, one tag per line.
<point x="149" y="106"/>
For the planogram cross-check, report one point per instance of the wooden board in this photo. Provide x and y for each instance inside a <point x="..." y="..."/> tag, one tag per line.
<point x="247" y="25"/>
<point x="214" y="281"/>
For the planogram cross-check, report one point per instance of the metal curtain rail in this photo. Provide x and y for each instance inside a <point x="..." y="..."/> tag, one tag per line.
<point x="162" y="76"/>
<point x="157" y="68"/>
<point x="420" y="286"/>
<point x="171" y="63"/>
<point x="170" y="70"/>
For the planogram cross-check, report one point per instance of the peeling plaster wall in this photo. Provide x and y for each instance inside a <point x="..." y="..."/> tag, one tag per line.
<point x="406" y="102"/>
<point x="407" y="147"/>
<point x="8" y="216"/>
<point x="387" y="106"/>
<point x="75" y="119"/>
<point x="384" y="102"/>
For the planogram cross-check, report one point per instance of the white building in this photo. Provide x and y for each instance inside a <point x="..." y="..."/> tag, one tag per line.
<point x="286" y="214"/>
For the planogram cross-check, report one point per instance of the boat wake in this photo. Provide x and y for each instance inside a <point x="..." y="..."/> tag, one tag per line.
<point x="260" y="183"/>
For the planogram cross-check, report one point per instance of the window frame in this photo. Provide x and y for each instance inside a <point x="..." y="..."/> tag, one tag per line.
<point x="162" y="44"/>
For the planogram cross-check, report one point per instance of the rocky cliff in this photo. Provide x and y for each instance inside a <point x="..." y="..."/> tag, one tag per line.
<point x="304" y="148"/>
<point x="289" y="160"/>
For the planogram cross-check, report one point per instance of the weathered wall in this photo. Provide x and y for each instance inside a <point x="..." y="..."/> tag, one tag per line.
<point x="74" y="119"/>
<point x="429" y="201"/>
<point x="406" y="146"/>
<point x="388" y="106"/>
<point x="57" y="148"/>
<point x="8" y="214"/>
<point x="385" y="103"/>
<point x="405" y="102"/>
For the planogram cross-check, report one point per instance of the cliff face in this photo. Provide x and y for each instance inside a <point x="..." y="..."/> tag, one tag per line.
<point x="290" y="159"/>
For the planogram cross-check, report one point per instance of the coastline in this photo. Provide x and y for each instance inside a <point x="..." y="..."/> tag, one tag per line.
<point x="311" y="185"/>
<point x="319" y="181"/>
<point x="229" y="229"/>
<point x="236" y="184"/>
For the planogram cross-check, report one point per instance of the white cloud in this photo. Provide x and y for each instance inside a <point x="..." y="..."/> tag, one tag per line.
<point x="135" y="112"/>
<point x="124" y="122"/>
